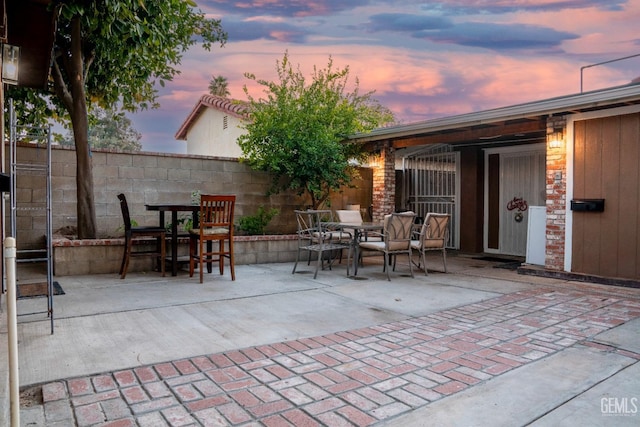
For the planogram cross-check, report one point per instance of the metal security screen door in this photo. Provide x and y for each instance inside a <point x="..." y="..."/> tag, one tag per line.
<point x="431" y="185"/>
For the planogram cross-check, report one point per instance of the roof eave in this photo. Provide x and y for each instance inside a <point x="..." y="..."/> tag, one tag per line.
<point x="564" y="104"/>
<point x="181" y="135"/>
<point x="205" y="101"/>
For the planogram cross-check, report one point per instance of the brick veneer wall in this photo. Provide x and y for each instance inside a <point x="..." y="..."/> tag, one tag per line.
<point x="556" y="197"/>
<point x="384" y="182"/>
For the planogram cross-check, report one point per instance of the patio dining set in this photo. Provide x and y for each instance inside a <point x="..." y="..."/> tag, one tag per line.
<point x="324" y="233"/>
<point x="212" y="221"/>
<point x="329" y="235"/>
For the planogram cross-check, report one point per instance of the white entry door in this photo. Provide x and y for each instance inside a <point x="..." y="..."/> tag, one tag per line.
<point x="521" y="185"/>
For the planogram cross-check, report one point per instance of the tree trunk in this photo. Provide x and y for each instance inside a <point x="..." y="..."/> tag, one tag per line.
<point x="85" y="208"/>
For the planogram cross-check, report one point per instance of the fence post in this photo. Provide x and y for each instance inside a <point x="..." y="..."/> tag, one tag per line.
<point x="12" y="324"/>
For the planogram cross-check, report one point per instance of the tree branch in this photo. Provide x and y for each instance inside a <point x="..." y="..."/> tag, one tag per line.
<point x="87" y="63"/>
<point x="75" y="68"/>
<point x="60" y="86"/>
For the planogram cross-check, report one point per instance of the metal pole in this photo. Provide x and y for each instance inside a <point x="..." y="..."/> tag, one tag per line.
<point x="601" y="63"/>
<point x="12" y="323"/>
<point x="49" y="232"/>
<point x="3" y="204"/>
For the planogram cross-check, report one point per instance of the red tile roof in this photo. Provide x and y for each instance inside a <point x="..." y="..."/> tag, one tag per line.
<point x="232" y="107"/>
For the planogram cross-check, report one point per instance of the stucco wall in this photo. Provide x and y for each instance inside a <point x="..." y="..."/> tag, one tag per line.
<point x="208" y="135"/>
<point x="147" y="178"/>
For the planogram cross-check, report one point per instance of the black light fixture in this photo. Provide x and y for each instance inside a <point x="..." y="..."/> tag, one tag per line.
<point x="10" y="64"/>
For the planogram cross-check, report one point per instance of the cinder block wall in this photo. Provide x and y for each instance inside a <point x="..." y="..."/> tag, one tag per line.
<point x="104" y="256"/>
<point x="147" y="178"/>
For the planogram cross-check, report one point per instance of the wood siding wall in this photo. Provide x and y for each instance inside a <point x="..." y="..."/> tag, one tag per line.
<point x="606" y="166"/>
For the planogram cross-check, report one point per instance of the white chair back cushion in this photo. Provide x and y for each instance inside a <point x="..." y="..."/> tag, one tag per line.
<point x="349" y="217"/>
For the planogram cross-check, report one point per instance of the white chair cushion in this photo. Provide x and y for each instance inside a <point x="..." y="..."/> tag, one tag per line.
<point x="349" y="217"/>
<point x="375" y="246"/>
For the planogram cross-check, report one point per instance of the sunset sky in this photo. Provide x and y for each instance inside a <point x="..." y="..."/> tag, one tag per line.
<point x="423" y="59"/>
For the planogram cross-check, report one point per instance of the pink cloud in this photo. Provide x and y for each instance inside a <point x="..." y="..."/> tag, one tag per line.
<point x="418" y="79"/>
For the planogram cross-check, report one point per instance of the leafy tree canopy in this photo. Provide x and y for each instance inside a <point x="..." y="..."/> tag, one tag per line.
<point x="132" y="45"/>
<point x="128" y="47"/>
<point x="110" y="129"/>
<point x="109" y="52"/>
<point x="297" y="130"/>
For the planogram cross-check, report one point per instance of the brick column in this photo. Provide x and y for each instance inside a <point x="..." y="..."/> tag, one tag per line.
<point x="556" y="193"/>
<point x="384" y="182"/>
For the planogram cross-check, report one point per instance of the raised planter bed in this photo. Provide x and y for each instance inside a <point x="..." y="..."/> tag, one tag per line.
<point x="103" y="256"/>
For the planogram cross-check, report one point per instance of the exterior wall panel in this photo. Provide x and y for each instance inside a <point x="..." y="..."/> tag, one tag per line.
<point x="215" y="134"/>
<point x="607" y="160"/>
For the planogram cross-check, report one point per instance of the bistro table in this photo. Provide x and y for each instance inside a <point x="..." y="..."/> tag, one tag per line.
<point x="174" y="208"/>
<point x="358" y="231"/>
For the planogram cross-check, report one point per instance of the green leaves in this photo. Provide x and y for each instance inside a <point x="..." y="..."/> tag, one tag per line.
<point x="297" y="131"/>
<point x="257" y="223"/>
<point x="111" y="53"/>
<point x="109" y="129"/>
<point x="129" y="45"/>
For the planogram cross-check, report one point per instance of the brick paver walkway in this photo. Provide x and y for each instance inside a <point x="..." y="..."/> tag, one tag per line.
<point x="356" y="377"/>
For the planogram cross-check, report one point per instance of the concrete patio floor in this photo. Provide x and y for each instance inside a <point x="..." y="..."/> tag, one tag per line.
<point x="476" y="346"/>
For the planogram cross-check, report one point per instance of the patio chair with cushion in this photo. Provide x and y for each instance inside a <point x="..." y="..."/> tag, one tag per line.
<point x="396" y="239"/>
<point x="215" y="225"/>
<point x="433" y="236"/>
<point x="315" y="236"/>
<point x="132" y="233"/>
<point x="352" y="216"/>
<point x="347" y="216"/>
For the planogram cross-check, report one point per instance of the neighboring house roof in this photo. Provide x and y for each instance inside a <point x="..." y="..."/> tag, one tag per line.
<point x="516" y="121"/>
<point x="232" y="107"/>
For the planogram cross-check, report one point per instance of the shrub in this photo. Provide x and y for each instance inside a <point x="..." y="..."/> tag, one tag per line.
<point x="256" y="224"/>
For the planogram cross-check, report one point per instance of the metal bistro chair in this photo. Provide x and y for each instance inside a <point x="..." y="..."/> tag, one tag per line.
<point x="131" y="233"/>
<point x="433" y="237"/>
<point x="215" y="224"/>
<point x="313" y="236"/>
<point x="396" y="239"/>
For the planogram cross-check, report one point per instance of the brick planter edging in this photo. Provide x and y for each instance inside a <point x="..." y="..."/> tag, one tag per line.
<point x="103" y="256"/>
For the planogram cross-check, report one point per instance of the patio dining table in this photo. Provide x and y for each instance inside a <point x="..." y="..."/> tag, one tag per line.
<point x="358" y="231"/>
<point x="174" y="208"/>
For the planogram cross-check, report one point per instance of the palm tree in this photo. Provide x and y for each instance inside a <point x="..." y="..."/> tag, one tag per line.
<point x="218" y="86"/>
